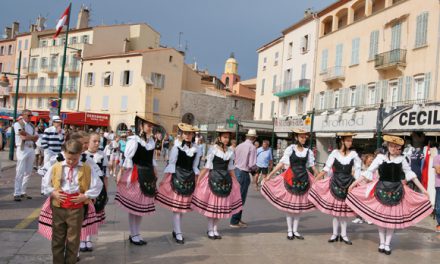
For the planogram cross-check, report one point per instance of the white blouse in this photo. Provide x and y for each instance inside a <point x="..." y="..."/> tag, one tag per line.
<point x="216" y="151"/>
<point x="131" y="147"/>
<point x="97" y="157"/>
<point x="289" y="150"/>
<point x="190" y="152"/>
<point x="344" y="160"/>
<point x="409" y="174"/>
<point x="45" y="168"/>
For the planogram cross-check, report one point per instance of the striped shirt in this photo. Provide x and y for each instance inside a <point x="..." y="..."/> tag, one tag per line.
<point x="52" y="140"/>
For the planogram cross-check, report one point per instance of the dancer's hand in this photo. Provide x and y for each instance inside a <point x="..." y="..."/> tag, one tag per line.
<point x="59" y="196"/>
<point x="80" y="198"/>
<point x="425" y="192"/>
<point x="354" y="184"/>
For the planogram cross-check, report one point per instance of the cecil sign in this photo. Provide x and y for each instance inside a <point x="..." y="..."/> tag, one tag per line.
<point x="408" y="119"/>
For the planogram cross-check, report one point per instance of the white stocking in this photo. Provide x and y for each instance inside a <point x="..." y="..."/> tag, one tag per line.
<point x="177" y="218"/>
<point x="382" y="237"/>
<point x="138" y="220"/>
<point x="343" y="222"/>
<point x="335" y="227"/>
<point x="388" y="238"/>
<point x="215" y="227"/>
<point x="132" y="225"/>
<point x="211" y="226"/>
<point x="295" y="224"/>
<point x="289" y="223"/>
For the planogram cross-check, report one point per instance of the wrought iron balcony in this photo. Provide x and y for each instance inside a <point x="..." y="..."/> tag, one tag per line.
<point x="49" y="69"/>
<point x="393" y="59"/>
<point x="292" y="88"/>
<point x="332" y="74"/>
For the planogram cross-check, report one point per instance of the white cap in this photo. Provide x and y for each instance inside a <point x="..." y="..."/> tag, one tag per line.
<point x="56" y="119"/>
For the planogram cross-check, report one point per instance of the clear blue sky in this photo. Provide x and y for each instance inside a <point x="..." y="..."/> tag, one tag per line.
<point x="212" y="28"/>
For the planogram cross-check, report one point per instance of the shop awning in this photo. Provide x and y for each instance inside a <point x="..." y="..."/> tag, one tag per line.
<point x="81" y="119"/>
<point x="364" y="135"/>
<point x="432" y="134"/>
<point x="325" y="135"/>
<point x="282" y="135"/>
<point x="358" y="135"/>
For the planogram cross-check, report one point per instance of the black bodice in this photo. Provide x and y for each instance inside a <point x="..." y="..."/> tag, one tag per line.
<point x="143" y="157"/>
<point x="341" y="168"/>
<point x="296" y="161"/>
<point x="391" y="172"/>
<point x="184" y="161"/>
<point x="219" y="163"/>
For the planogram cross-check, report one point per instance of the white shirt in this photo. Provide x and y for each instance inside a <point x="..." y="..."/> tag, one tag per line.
<point x="409" y="174"/>
<point x="28" y="128"/>
<point x="98" y="157"/>
<point x="344" y="160"/>
<point x="215" y="151"/>
<point x="72" y="186"/>
<point x="43" y="170"/>
<point x="289" y="150"/>
<point x="131" y="147"/>
<point x="190" y="152"/>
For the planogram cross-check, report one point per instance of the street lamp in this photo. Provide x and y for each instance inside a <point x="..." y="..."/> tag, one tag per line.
<point x="274" y="116"/>
<point x="4" y="81"/>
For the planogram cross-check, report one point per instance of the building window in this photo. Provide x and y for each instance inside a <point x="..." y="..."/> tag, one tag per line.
<point x="88" y="103"/>
<point x="43" y="43"/>
<point x="158" y="80"/>
<point x="265" y="60"/>
<point x="276" y="58"/>
<point x="71" y="104"/>
<point x="26" y="44"/>
<point x="261" y="111"/>
<point x="396" y="32"/>
<point x="10" y="50"/>
<point x="107" y="79"/>
<point x="253" y="107"/>
<point x="1" y="67"/>
<point x="393" y="88"/>
<point x="105" y="101"/>
<point x="305" y="44"/>
<point x="321" y="104"/>
<point x="371" y="94"/>
<point x="336" y="101"/>
<point x="272" y="108"/>
<point x="374" y="44"/>
<point x="40" y="103"/>
<point x="170" y="59"/>
<point x="85" y="39"/>
<point x="24" y="63"/>
<point x="274" y="83"/>
<point x="422" y="30"/>
<point x="155" y="105"/>
<point x="419" y="87"/>
<point x="127" y="77"/>
<point x="124" y="103"/>
<point x="19" y="45"/>
<point x="324" y="61"/>
<point x="227" y="82"/>
<point x="303" y="71"/>
<point x="90" y="79"/>
<point x="353" y="96"/>
<point x="2" y="50"/>
<point x="263" y="83"/>
<point x="355" y="51"/>
<point x="43" y="63"/>
<point x="73" y="40"/>
<point x="290" y="50"/>
<point x="235" y="104"/>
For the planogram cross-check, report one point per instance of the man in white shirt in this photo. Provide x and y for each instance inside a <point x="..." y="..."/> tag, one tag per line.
<point x="25" y="138"/>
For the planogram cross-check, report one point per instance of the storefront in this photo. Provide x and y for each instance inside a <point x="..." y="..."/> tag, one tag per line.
<point x="421" y="124"/>
<point x="363" y="123"/>
<point x="283" y="131"/>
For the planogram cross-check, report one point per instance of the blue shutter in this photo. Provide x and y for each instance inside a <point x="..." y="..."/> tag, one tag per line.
<point x="419" y="30"/>
<point x="427" y="84"/>
<point x="338" y="60"/>
<point x="396" y="31"/>
<point x="303" y="71"/>
<point x="400" y="89"/>
<point x="374" y="44"/>
<point x="408" y="88"/>
<point x="324" y="60"/>
<point x="424" y="29"/>
<point x="355" y="51"/>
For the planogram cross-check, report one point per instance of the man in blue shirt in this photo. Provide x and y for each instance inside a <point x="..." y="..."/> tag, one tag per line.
<point x="264" y="163"/>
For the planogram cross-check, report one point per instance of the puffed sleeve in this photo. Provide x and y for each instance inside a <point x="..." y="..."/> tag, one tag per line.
<point x="47" y="182"/>
<point x="171" y="167"/>
<point x="209" y="158"/>
<point x="330" y="161"/>
<point x="231" y="165"/>
<point x="105" y="165"/>
<point x="130" y="150"/>
<point x="409" y="174"/>
<point x="95" y="168"/>
<point x="369" y="173"/>
<point x="95" y="185"/>
<point x="357" y="166"/>
<point x="286" y="156"/>
<point x="196" y="162"/>
<point x="311" y="159"/>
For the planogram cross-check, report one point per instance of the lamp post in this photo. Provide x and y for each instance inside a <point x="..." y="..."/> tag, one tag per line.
<point x="5" y="82"/>
<point x="379" y="125"/>
<point x="274" y="116"/>
<point x="311" y="128"/>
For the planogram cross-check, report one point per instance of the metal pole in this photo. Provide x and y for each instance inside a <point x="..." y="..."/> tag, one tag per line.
<point x="273" y="132"/>
<point x="237" y="128"/>
<point x="311" y="129"/>
<point x="379" y="125"/>
<point x="60" y="89"/>
<point x="12" y="141"/>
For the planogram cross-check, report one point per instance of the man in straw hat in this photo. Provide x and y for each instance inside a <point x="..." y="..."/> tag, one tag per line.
<point x="245" y="162"/>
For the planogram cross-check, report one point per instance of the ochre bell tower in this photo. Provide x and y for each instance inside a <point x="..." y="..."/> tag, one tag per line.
<point x="230" y="75"/>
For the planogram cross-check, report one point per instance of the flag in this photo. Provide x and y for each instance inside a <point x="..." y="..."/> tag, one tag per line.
<point x="63" y="21"/>
<point x="425" y="169"/>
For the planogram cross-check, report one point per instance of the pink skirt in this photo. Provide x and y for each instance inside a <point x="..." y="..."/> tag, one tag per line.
<point x="101" y="217"/>
<point x="210" y="205"/>
<point x="170" y="200"/>
<point x="89" y="225"/>
<point x="276" y="194"/>
<point x="412" y="208"/>
<point x="321" y="196"/>
<point x="131" y="199"/>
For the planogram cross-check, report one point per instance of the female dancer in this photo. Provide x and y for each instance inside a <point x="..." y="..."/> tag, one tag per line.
<point x="101" y="160"/>
<point x="329" y="195"/>
<point x="387" y="201"/>
<point x="177" y="187"/>
<point x="136" y="181"/>
<point x="289" y="191"/>
<point x="217" y="193"/>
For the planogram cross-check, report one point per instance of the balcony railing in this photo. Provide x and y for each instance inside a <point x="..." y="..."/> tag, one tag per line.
<point x="292" y="88"/>
<point x="32" y="71"/>
<point x="391" y="59"/>
<point x="67" y="89"/>
<point x="4" y="90"/>
<point x="72" y="67"/>
<point x="50" y="69"/>
<point x="336" y="73"/>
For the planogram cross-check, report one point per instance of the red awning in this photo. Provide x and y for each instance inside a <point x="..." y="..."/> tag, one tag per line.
<point x="81" y="119"/>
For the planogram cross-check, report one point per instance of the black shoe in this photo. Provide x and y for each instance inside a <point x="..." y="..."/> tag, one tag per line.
<point x="290" y="237"/>
<point x="210" y="237"/>
<point x="137" y="243"/>
<point x="77" y="259"/>
<point x="381" y="250"/>
<point x="179" y="241"/>
<point x="300" y="237"/>
<point x="174" y="234"/>
<point x="346" y="241"/>
<point x="25" y="196"/>
<point x="217" y="236"/>
<point x="387" y="252"/>
<point x="331" y="240"/>
<point x="17" y="198"/>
